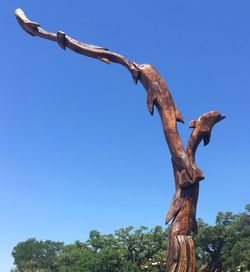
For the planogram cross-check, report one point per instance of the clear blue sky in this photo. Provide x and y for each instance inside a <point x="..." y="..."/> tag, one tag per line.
<point x="78" y="148"/>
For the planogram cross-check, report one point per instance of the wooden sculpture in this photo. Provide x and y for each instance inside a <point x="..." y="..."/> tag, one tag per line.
<point x="182" y="212"/>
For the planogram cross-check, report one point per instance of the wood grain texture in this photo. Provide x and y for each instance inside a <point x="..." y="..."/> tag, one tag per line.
<point x="203" y="268"/>
<point x="184" y="203"/>
<point x="182" y="212"/>
<point x="181" y="256"/>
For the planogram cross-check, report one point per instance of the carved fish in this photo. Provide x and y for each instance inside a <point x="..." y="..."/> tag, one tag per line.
<point x="183" y="206"/>
<point x="202" y="130"/>
<point x="159" y="95"/>
<point x="157" y="91"/>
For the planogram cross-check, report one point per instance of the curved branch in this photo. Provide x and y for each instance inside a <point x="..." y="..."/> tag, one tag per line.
<point x="82" y="48"/>
<point x="157" y="90"/>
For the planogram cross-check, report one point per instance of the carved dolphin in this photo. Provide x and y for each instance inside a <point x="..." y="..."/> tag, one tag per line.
<point x="159" y="95"/>
<point x="25" y="23"/>
<point x="156" y="88"/>
<point x="185" y="198"/>
<point x="206" y="123"/>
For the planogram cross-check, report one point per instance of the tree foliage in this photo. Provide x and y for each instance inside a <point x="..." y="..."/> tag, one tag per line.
<point x="225" y="246"/>
<point x="34" y="256"/>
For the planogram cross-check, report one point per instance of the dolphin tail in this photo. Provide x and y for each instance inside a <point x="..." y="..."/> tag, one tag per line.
<point x="187" y="178"/>
<point x="106" y="60"/>
<point x="33" y="24"/>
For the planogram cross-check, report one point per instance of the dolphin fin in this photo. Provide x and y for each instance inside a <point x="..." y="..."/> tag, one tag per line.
<point x="150" y="103"/>
<point x="178" y="116"/>
<point x="174" y="209"/>
<point x="135" y="74"/>
<point x="206" y="138"/>
<point x="32" y="24"/>
<point x="198" y="174"/>
<point x="61" y="39"/>
<point x="99" y="47"/>
<point x="104" y="60"/>
<point x="192" y="124"/>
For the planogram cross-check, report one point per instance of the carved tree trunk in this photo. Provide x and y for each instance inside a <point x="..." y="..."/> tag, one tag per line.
<point x="182" y="212"/>
<point x="181" y="257"/>
<point x="181" y="248"/>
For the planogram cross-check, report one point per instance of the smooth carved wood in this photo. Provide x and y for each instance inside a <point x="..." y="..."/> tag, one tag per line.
<point x="184" y="203"/>
<point x="157" y="91"/>
<point x="182" y="212"/>
<point x="183" y="206"/>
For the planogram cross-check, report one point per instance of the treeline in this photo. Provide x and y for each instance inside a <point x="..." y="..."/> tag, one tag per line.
<point x="224" y="246"/>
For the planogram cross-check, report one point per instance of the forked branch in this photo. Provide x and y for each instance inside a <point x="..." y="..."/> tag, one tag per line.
<point x="184" y="203"/>
<point x="183" y="206"/>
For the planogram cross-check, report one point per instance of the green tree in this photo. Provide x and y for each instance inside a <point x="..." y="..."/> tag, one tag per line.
<point x="226" y="245"/>
<point x="76" y="257"/>
<point x="143" y="247"/>
<point x="33" y="255"/>
<point x="129" y="250"/>
<point x="210" y="241"/>
<point x="101" y="253"/>
<point x="236" y="252"/>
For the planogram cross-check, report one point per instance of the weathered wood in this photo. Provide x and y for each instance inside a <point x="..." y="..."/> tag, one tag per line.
<point x="182" y="212"/>
<point x="184" y="203"/>
<point x="191" y="250"/>
<point x="157" y="90"/>
<point x="203" y="268"/>
<point x="181" y="257"/>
